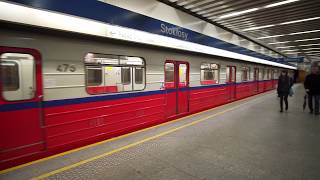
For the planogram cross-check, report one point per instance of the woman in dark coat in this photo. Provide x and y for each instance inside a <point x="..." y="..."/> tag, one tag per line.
<point x="284" y="85"/>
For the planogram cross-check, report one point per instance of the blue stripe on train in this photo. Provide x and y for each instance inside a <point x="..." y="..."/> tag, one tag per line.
<point x="64" y="102"/>
<point x="103" y="12"/>
<point x="18" y="106"/>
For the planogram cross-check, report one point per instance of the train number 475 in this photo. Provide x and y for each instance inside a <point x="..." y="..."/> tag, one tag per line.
<point x="66" y="68"/>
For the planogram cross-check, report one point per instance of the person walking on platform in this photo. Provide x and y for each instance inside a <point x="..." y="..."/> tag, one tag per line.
<point x="284" y="86"/>
<point x="312" y="86"/>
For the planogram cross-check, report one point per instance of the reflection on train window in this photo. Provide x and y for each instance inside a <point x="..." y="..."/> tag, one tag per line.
<point x="118" y="73"/>
<point x="169" y="75"/>
<point x="17" y="76"/>
<point x="94" y="76"/>
<point x="209" y="73"/>
<point x="245" y="73"/>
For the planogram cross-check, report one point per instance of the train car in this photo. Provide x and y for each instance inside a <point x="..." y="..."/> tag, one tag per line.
<point x="60" y="92"/>
<point x="71" y="77"/>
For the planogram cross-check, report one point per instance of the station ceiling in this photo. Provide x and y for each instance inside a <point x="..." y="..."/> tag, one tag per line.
<point x="291" y="27"/>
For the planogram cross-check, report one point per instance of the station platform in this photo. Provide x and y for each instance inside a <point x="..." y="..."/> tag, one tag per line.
<point x="247" y="139"/>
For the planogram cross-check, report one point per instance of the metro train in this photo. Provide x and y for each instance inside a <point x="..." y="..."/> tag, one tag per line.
<point x="61" y="92"/>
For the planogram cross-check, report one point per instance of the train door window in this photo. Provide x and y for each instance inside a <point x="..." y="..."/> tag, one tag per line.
<point x="17" y="76"/>
<point x="125" y="75"/>
<point x="269" y="74"/>
<point x="94" y="76"/>
<point x="228" y="74"/>
<point x="275" y="74"/>
<point x="245" y="74"/>
<point x="117" y="73"/>
<point x="138" y="76"/>
<point x="182" y="75"/>
<point x="169" y="75"/>
<point x="209" y="73"/>
<point x="233" y="75"/>
<point x="139" y="80"/>
<point x="10" y="76"/>
<point x="260" y="74"/>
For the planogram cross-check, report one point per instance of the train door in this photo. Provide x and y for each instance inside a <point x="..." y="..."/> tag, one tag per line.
<point x="256" y="79"/>
<point x="231" y="81"/>
<point x="177" y="87"/>
<point x="20" y="102"/>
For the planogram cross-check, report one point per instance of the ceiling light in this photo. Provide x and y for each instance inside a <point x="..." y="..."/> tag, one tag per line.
<point x="280" y="35"/>
<point x="309" y="45"/>
<point x="238" y="13"/>
<point x="300" y="20"/>
<point x="280" y="42"/>
<point x="312" y="52"/>
<point x="290" y="50"/>
<point x="280" y="3"/>
<point x="259" y="27"/>
<point x="304" y="32"/>
<point x="284" y="23"/>
<point x="309" y="49"/>
<point x="266" y="37"/>
<point x="301" y="40"/>
<point x="284" y="47"/>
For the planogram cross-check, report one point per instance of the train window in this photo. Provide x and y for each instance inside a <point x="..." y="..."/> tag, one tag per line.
<point x="17" y="76"/>
<point x="94" y="76"/>
<point x="114" y="73"/>
<point x="245" y="76"/>
<point x="209" y="73"/>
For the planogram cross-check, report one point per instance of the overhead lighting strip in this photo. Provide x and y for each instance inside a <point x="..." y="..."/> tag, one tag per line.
<point x="280" y="3"/>
<point x="302" y="40"/>
<point x="310" y="45"/>
<point x="281" y="42"/>
<point x="284" y="47"/>
<point x="280" y="24"/>
<point x="290" y="50"/>
<point x="251" y="10"/>
<point x="310" y="49"/>
<point x="238" y="13"/>
<point x="291" y="34"/>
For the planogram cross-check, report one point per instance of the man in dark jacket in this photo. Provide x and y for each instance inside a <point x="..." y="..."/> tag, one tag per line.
<point x="284" y="85"/>
<point x="312" y="86"/>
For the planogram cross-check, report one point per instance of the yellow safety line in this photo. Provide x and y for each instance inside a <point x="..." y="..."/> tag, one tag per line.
<point x="133" y="144"/>
<point x="109" y="140"/>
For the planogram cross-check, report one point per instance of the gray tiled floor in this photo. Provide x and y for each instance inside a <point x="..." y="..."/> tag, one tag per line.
<point x="253" y="141"/>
